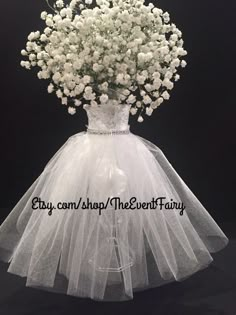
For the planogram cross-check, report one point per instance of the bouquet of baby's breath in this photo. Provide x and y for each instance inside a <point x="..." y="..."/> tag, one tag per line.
<point x="95" y="51"/>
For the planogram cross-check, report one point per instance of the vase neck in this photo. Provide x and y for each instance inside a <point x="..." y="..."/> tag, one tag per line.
<point x="108" y="117"/>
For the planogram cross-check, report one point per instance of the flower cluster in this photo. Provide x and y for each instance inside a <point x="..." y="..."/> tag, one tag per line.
<point x="94" y="51"/>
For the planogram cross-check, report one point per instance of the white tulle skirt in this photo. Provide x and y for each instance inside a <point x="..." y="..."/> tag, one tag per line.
<point x="107" y="254"/>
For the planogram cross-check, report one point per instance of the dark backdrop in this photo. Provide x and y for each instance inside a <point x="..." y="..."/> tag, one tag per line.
<point x="195" y="129"/>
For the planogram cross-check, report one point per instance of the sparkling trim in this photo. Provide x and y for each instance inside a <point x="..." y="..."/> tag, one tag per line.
<point x="108" y="132"/>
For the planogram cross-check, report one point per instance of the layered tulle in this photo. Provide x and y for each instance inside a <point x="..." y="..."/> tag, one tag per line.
<point x="108" y="256"/>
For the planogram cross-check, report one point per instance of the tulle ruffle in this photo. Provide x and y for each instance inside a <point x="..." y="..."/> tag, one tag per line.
<point x="111" y="255"/>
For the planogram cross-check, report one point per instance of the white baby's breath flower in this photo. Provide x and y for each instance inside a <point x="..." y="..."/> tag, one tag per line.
<point x="59" y="93"/>
<point x="96" y="67"/>
<point x="49" y="22"/>
<point x="168" y="75"/>
<point x="104" y="86"/>
<point x="56" y="77"/>
<point x="166" y="17"/>
<point x="45" y="74"/>
<point x="37" y="35"/>
<point x="63" y="12"/>
<point x="86" y="79"/>
<point x="104" y="98"/>
<point x="126" y="92"/>
<point x="40" y="63"/>
<point x="133" y="110"/>
<point x="71" y="110"/>
<point x="147" y="99"/>
<point x="44" y="15"/>
<point x="149" y="111"/>
<point x="140" y="79"/>
<point x="39" y="75"/>
<point x="174" y="37"/>
<point x="88" y="90"/>
<point x="168" y="84"/>
<point x="31" y="36"/>
<point x="143" y="93"/>
<point x="177" y="77"/>
<point x="148" y="87"/>
<point x="131" y="99"/>
<point x="79" y="88"/>
<point x="154" y="104"/>
<point x="175" y="62"/>
<point x="25" y="64"/>
<point x="50" y="88"/>
<point x="160" y="100"/>
<point x="43" y="38"/>
<point x="166" y="95"/>
<point x="60" y="3"/>
<point x="140" y="119"/>
<point x="141" y="58"/>
<point x="64" y="101"/>
<point x="24" y="52"/>
<point x="77" y="102"/>
<point x="73" y="4"/>
<point x="66" y="92"/>
<point x="125" y="52"/>
<point x="47" y="30"/>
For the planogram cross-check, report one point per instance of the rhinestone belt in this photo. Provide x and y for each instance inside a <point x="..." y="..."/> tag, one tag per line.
<point x="108" y="132"/>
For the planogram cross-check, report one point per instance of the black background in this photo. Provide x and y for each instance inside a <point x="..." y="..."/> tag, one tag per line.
<point x="195" y="128"/>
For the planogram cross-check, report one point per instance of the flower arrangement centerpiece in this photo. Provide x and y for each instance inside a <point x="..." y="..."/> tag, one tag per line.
<point x="95" y="51"/>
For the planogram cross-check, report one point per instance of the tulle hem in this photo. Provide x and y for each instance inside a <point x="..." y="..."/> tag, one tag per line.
<point x="112" y="255"/>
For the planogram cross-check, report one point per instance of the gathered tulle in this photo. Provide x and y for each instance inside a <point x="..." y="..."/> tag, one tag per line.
<point x="110" y="255"/>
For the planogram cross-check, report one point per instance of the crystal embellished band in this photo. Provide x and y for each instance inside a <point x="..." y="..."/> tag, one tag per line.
<point x="108" y="132"/>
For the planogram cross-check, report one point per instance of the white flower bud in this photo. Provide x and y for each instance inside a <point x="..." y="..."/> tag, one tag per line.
<point x="43" y="38"/>
<point x="24" y="52"/>
<point x="31" y="36"/>
<point x="59" y="93"/>
<point x="39" y="75"/>
<point x="71" y="110"/>
<point x="32" y="57"/>
<point x="131" y="99"/>
<point x="177" y="77"/>
<point x="50" y="88"/>
<point x="60" y="3"/>
<point x="133" y="110"/>
<point x="147" y="99"/>
<point x="49" y="22"/>
<point x="64" y="101"/>
<point x="160" y="100"/>
<point x="140" y="119"/>
<point x="77" y="102"/>
<point x="104" y="98"/>
<point x="166" y="95"/>
<point x="44" y="15"/>
<point x="149" y="111"/>
<point x="86" y="79"/>
<point x="63" y="12"/>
